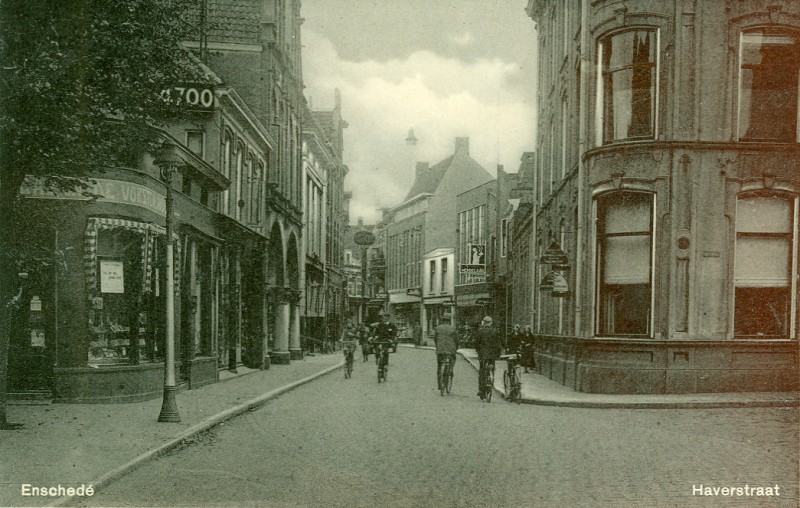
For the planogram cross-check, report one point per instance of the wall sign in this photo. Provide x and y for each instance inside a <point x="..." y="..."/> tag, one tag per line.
<point x="108" y="191"/>
<point x="196" y="97"/>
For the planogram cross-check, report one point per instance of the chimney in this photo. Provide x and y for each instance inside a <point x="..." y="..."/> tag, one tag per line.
<point x="360" y="221"/>
<point x="462" y="144"/>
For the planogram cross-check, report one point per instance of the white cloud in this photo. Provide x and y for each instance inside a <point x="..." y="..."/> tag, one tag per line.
<point x="440" y="98"/>
<point x="464" y="39"/>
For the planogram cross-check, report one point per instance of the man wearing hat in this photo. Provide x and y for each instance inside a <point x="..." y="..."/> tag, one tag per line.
<point x="489" y="346"/>
<point x="444" y="336"/>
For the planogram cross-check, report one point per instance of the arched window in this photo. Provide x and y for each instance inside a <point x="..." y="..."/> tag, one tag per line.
<point x="627" y="85"/>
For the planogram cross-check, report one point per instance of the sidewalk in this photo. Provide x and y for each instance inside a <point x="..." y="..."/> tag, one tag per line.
<point x="93" y="444"/>
<point x="537" y="389"/>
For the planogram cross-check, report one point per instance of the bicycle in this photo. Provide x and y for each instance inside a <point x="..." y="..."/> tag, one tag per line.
<point x="487" y="381"/>
<point x="512" y="378"/>
<point x="446" y="375"/>
<point x="382" y="356"/>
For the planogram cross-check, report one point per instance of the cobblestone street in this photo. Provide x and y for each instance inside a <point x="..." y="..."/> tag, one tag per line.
<point x="354" y="442"/>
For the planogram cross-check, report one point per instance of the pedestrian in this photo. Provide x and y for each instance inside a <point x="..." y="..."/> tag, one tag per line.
<point x="363" y="339"/>
<point x="528" y="349"/>
<point x="514" y="343"/>
<point x="446" y="340"/>
<point x="489" y="346"/>
<point x="416" y="334"/>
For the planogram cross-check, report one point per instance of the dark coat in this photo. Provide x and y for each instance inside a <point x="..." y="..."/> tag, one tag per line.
<point x="386" y="332"/>
<point x="446" y="339"/>
<point x="488" y="343"/>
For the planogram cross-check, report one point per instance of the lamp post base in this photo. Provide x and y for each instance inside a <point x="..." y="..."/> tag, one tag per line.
<point x="169" y="408"/>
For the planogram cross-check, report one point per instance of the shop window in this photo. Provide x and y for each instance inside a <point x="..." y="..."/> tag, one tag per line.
<point x="763" y="266"/>
<point x="123" y="315"/>
<point x="624" y="237"/>
<point x="627" y="87"/>
<point x="768" y="85"/>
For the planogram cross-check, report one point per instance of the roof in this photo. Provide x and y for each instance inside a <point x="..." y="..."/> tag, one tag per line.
<point x="232" y="21"/>
<point x="427" y="181"/>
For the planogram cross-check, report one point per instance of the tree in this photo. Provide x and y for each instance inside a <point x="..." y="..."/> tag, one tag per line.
<point x="79" y="92"/>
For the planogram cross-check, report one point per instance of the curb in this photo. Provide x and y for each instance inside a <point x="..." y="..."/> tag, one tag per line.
<point x="699" y="404"/>
<point x="154" y="453"/>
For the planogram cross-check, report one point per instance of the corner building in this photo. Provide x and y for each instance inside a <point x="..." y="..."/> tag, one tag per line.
<point x="667" y="172"/>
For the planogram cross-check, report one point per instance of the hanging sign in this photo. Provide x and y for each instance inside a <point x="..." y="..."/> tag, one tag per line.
<point x="554" y="256"/>
<point x="555" y="283"/>
<point x="112" y="277"/>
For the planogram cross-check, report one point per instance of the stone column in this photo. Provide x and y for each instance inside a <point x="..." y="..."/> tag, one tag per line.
<point x="280" y="354"/>
<point x="295" y="351"/>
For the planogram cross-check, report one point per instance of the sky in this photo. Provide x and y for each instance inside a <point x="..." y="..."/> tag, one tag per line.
<point x="445" y="68"/>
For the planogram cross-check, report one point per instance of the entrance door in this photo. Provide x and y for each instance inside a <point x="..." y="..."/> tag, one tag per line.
<point x="30" y="358"/>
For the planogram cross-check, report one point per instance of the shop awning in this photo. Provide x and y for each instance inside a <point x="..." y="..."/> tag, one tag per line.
<point x="472" y="300"/>
<point x="396" y="298"/>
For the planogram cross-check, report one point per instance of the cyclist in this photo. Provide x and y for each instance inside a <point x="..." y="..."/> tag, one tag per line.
<point x="446" y="340"/>
<point x="489" y="346"/>
<point x="386" y="331"/>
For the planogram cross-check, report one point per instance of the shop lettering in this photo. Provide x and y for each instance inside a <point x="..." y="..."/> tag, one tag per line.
<point x="29" y="490"/>
<point x="107" y="191"/>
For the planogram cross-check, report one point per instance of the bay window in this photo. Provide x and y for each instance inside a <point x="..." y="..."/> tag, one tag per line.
<point x="769" y="64"/>
<point x="624" y="247"/>
<point x="627" y="85"/>
<point x="766" y="237"/>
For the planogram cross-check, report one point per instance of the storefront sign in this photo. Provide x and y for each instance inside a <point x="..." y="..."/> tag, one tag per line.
<point x="112" y="279"/>
<point x="472" y="274"/>
<point x="105" y="190"/>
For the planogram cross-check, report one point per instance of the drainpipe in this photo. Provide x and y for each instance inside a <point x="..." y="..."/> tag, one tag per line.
<point x="583" y="142"/>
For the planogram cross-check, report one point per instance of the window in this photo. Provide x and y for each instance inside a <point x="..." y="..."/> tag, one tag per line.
<point x="195" y="141"/>
<point x="624" y="236"/>
<point x="186" y="185"/>
<point x="443" y="287"/>
<point x="227" y="158"/>
<point x="433" y="275"/>
<point x="627" y="86"/>
<point x="503" y="237"/>
<point x="769" y="62"/>
<point x="764" y="265"/>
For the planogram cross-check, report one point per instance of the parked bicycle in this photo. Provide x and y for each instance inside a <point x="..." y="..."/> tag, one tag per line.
<point x="512" y="377"/>
<point x="487" y="381"/>
<point x="446" y="375"/>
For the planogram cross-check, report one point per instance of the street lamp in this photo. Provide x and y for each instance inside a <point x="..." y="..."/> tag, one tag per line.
<point x="170" y="163"/>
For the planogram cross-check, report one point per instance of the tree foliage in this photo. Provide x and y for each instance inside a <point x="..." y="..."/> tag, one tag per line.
<point x="81" y="80"/>
<point x="80" y="87"/>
